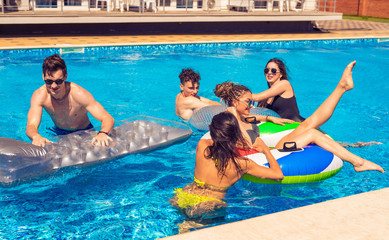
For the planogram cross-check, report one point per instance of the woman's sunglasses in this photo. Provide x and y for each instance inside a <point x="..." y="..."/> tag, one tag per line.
<point x="58" y="81"/>
<point x="251" y="103"/>
<point x="273" y="70"/>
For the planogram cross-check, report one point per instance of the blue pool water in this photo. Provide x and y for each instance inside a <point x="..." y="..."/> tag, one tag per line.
<point x="128" y="198"/>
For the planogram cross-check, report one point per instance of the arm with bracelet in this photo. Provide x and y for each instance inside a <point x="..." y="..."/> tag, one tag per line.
<point x="102" y="138"/>
<point x="261" y="118"/>
<point x="106" y="133"/>
<point x="107" y="122"/>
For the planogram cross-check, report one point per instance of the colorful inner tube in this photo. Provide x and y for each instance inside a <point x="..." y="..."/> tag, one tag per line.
<point x="309" y="164"/>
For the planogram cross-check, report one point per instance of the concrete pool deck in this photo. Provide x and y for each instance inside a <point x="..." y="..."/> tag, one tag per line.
<point x="362" y="216"/>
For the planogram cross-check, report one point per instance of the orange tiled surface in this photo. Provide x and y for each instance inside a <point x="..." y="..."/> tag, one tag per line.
<point x="329" y="29"/>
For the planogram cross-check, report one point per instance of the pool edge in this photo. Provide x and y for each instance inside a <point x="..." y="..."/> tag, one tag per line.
<point x="302" y="38"/>
<point x="360" y="216"/>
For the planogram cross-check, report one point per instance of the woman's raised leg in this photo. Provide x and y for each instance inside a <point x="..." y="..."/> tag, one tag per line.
<point x="318" y="138"/>
<point x="327" y="108"/>
<point x="306" y="132"/>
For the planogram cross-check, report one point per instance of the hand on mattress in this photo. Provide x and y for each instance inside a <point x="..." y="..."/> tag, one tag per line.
<point x="102" y="139"/>
<point x="40" y="141"/>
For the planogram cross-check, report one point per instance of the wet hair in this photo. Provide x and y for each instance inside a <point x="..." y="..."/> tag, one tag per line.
<point x="229" y="91"/>
<point x="226" y="134"/>
<point x="281" y="66"/>
<point x="188" y="75"/>
<point x="52" y="64"/>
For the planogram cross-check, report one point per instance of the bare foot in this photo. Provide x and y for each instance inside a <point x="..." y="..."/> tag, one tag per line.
<point x="346" y="82"/>
<point x="367" y="165"/>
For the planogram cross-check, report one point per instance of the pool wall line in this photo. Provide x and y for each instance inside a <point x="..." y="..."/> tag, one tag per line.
<point x="279" y="44"/>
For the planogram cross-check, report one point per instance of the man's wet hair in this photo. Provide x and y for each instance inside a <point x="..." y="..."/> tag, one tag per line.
<point x="188" y="75"/>
<point x="52" y="64"/>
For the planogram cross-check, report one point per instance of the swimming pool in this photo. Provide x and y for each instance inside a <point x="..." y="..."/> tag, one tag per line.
<point x="127" y="198"/>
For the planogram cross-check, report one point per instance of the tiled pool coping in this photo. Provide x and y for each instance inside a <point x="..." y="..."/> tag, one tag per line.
<point x="44" y="41"/>
<point x="279" y="44"/>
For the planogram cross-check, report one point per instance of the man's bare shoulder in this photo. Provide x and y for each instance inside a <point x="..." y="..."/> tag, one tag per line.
<point x="41" y="90"/>
<point x="40" y="94"/>
<point x="178" y="98"/>
<point x="76" y="89"/>
<point x="79" y="93"/>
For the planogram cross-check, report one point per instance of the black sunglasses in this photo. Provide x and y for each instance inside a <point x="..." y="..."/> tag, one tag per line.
<point x="273" y="70"/>
<point x="58" y="81"/>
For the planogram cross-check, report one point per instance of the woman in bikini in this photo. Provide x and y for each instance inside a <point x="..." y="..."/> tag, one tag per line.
<point x="218" y="167"/>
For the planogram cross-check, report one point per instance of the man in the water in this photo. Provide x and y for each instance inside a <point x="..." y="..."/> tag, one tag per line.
<point x="67" y="104"/>
<point x="187" y="100"/>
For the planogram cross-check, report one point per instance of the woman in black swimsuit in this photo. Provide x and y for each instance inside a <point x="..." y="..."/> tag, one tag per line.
<point x="280" y="96"/>
<point x="239" y="99"/>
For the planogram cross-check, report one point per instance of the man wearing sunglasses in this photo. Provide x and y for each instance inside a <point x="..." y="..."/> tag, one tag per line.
<point x="67" y="104"/>
<point x="187" y="100"/>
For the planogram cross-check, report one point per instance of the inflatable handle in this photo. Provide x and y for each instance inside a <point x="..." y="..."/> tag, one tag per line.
<point x="292" y="148"/>
<point x="252" y="120"/>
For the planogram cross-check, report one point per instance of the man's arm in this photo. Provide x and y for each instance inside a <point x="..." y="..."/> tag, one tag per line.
<point x="187" y="105"/>
<point x="98" y="112"/>
<point x="200" y="102"/>
<point x="34" y="120"/>
<point x="209" y="102"/>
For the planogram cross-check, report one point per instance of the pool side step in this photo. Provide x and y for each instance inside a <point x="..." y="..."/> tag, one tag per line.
<point x="383" y="40"/>
<point x="72" y="50"/>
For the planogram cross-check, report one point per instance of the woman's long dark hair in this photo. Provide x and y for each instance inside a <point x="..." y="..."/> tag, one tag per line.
<point x="226" y="134"/>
